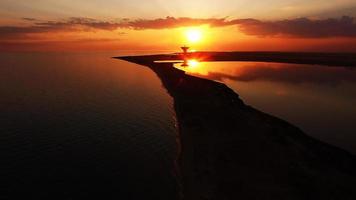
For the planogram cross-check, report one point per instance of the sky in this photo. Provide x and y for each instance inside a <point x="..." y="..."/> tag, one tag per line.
<point x="242" y="25"/>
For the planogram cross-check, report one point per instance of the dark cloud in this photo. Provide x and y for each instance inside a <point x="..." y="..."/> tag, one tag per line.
<point x="29" y="19"/>
<point x="300" y="27"/>
<point x="72" y="24"/>
<point x="84" y="22"/>
<point x="171" y="22"/>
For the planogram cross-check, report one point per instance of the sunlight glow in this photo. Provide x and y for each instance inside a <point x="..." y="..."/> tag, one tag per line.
<point x="193" y="63"/>
<point x="194" y="35"/>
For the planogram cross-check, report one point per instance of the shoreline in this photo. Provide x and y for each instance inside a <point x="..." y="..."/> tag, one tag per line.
<point x="230" y="150"/>
<point x="312" y="58"/>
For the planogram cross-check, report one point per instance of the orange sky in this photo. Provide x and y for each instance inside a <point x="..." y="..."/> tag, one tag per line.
<point x="271" y="25"/>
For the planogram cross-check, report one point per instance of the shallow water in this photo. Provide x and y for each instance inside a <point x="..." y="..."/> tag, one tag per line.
<point x="318" y="99"/>
<point x="80" y="125"/>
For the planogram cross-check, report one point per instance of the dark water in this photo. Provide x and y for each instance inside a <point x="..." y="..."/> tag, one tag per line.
<point x="83" y="125"/>
<point x="318" y="99"/>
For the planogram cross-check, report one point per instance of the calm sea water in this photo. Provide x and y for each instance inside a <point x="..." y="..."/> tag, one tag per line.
<point x="84" y="125"/>
<point x="318" y="99"/>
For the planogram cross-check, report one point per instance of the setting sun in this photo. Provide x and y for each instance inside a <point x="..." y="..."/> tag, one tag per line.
<point x="194" y="35"/>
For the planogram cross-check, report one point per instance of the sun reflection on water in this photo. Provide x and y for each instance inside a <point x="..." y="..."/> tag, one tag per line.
<point x="193" y="63"/>
<point x="192" y="66"/>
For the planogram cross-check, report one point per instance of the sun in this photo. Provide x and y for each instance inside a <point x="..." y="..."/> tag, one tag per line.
<point x="194" y="35"/>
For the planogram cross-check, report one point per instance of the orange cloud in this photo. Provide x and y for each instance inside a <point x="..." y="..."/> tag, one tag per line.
<point x="84" y="30"/>
<point x="300" y="27"/>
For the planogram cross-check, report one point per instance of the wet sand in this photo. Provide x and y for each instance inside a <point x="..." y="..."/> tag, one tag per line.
<point x="232" y="151"/>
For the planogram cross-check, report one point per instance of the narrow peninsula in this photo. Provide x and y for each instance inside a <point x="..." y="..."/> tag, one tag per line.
<point x="230" y="150"/>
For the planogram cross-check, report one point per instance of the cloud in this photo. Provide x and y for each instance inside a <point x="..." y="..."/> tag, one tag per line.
<point x="28" y="19"/>
<point x="299" y="28"/>
<point x="171" y="22"/>
<point x="75" y="22"/>
<point x="70" y="25"/>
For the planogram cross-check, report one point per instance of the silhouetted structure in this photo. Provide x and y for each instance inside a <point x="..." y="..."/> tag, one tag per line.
<point x="184" y="56"/>
<point x="185" y="50"/>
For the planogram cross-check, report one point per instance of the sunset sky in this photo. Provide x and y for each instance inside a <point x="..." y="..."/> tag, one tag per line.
<point x="245" y="25"/>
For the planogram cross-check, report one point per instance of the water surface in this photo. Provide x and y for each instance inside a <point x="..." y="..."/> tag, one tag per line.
<point x="80" y="125"/>
<point x="318" y="99"/>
